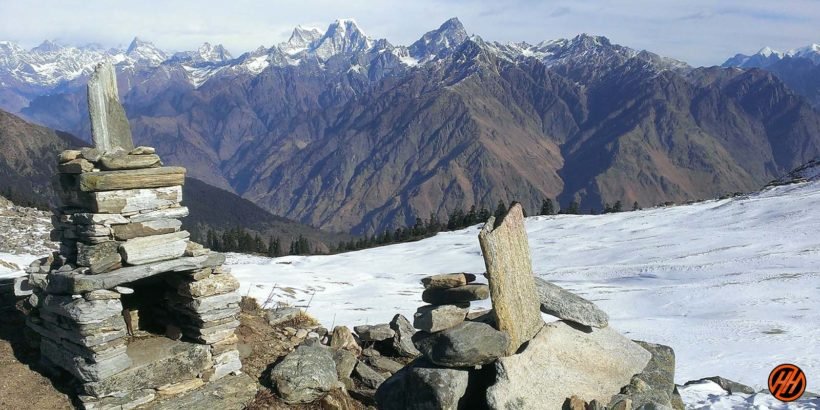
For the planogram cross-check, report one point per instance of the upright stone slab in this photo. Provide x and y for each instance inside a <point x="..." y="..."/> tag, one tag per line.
<point x="509" y="274"/>
<point x="109" y="125"/>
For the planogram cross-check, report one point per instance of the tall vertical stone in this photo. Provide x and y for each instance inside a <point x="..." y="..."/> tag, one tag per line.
<point x="509" y="274"/>
<point x="109" y="125"/>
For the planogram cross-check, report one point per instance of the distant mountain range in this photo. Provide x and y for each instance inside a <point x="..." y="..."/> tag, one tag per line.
<point x="28" y="161"/>
<point x="798" y="68"/>
<point x="349" y="133"/>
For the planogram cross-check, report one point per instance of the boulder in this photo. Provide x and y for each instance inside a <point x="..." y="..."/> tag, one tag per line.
<point x="450" y="280"/>
<point x="345" y="363"/>
<point x="452" y="296"/>
<point x="374" y="333"/>
<point x="561" y="361"/>
<point x="342" y="338"/>
<point x="305" y="375"/>
<point x="432" y="318"/>
<point x="403" y="339"/>
<point x="367" y="376"/>
<point x="509" y="274"/>
<point x="423" y="386"/>
<point x="558" y="302"/>
<point x="468" y="344"/>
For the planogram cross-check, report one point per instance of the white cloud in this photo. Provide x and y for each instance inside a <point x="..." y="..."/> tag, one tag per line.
<point x="697" y="31"/>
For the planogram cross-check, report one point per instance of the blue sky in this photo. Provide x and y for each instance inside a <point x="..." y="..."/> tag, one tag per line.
<point x="697" y="31"/>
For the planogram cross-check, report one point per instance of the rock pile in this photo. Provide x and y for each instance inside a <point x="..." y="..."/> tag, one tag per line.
<point x="509" y="357"/>
<point x="125" y="268"/>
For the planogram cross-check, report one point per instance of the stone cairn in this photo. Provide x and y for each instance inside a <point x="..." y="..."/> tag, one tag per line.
<point x="508" y="357"/>
<point x="125" y="266"/>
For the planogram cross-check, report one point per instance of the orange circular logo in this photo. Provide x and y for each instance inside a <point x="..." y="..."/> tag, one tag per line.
<point x="787" y="382"/>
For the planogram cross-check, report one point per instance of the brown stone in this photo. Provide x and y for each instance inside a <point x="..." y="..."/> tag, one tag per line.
<point x="68" y="155"/>
<point x="450" y="280"/>
<point x="75" y="166"/>
<point x="133" y="179"/>
<point x="450" y="296"/>
<point x="509" y="274"/>
<point x="122" y="161"/>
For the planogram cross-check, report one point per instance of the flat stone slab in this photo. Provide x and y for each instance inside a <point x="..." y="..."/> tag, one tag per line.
<point x="131" y="179"/>
<point x="229" y="393"/>
<point x="563" y="304"/>
<point x="133" y="201"/>
<point x="156" y="362"/>
<point x="75" y="284"/>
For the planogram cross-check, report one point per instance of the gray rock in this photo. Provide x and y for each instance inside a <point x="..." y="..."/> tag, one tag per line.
<point x="367" y="376"/>
<point x="225" y="364"/>
<point x="730" y="386"/>
<point x="506" y="252"/>
<point x="91" y="154"/>
<point x="75" y="166"/>
<point x="374" y="333"/>
<point x="558" y="302"/>
<point x="451" y="296"/>
<point x="148" y="228"/>
<point x="120" y="161"/>
<point x="434" y="318"/>
<point x="345" y="362"/>
<point x="561" y="361"/>
<point x="109" y="125"/>
<point x="84" y="218"/>
<point x="142" y="150"/>
<point x="133" y="201"/>
<point x="279" y="316"/>
<point x="305" y="374"/>
<point x="99" y="258"/>
<point x="449" y="280"/>
<point x="78" y="284"/>
<point x="232" y="392"/>
<point x="82" y="311"/>
<point x="423" y="386"/>
<point x="130" y="400"/>
<point x="178" y="212"/>
<point x="403" y="339"/>
<point x="84" y="369"/>
<point x="468" y="344"/>
<point x="384" y="364"/>
<point x="156" y="362"/>
<point x="658" y="375"/>
<point x="370" y="352"/>
<point x="139" y="251"/>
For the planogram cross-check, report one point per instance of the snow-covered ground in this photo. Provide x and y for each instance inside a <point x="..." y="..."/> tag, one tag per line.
<point x="732" y="285"/>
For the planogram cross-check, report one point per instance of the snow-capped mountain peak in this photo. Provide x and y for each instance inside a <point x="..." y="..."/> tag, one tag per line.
<point x="47" y="46"/>
<point x="768" y="56"/>
<point x="343" y="36"/>
<point x="213" y="53"/>
<point x="144" y="51"/>
<point x="438" y="42"/>
<point x="768" y="52"/>
<point x="300" y="39"/>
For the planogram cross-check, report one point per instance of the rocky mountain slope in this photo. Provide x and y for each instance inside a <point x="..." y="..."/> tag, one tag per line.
<point x="798" y="68"/>
<point x="28" y="162"/>
<point x="350" y="133"/>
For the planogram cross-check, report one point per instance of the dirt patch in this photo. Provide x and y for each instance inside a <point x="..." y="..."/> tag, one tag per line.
<point x="22" y="386"/>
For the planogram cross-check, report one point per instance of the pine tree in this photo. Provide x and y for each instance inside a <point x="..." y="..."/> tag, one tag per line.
<point x="501" y="209"/>
<point x="573" y="208"/>
<point x="618" y="207"/>
<point x="483" y="214"/>
<point x="636" y="207"/>
<point x="547" y="208"/>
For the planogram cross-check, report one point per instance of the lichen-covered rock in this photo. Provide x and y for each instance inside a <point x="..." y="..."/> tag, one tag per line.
<point x="305" y="375"/>
<point x="422" y="386"/>
<point x="403" y="339"/>
<point x="466" y="345"/>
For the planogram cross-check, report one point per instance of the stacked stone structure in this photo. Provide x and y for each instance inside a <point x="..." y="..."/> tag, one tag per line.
<point x="129" y="305"/>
